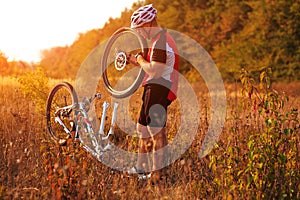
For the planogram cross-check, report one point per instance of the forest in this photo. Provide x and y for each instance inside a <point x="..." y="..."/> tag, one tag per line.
<point x="237" y="34"/>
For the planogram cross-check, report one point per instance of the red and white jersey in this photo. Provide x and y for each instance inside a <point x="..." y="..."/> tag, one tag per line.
<point x="163" y="49"/>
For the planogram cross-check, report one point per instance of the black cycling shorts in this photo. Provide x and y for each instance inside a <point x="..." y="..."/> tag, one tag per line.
<point x="155" y="103"/>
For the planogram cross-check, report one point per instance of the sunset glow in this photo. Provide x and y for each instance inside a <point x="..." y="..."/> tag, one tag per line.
<point x="29" y="26"/>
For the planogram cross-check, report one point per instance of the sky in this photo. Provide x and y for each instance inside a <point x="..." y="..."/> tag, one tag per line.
<point x="29" y="26"/>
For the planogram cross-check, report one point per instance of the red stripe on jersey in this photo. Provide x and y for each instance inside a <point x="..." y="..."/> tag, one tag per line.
<point x="174" y="75"/>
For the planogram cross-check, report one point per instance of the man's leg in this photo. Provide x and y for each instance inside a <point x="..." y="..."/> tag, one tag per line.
<point x="159" y="138"/>
<point x="145" y="146"/>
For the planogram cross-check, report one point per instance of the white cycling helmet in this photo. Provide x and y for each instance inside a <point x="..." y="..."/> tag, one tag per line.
<point x="143" y="15"/>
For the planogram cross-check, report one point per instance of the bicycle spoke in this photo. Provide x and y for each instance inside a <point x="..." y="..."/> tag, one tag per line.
<point x="59" y="117"/>
<point x="121" y="77"/>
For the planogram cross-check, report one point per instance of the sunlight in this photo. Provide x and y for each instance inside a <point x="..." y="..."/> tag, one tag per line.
<point x="27" y="27"/>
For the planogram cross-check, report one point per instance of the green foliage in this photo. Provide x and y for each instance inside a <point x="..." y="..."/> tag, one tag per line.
<point x="268" y="167"/>
<point x="269" y="36"/>
<point x="34" y="85"/>
<point x="272" y="155"/>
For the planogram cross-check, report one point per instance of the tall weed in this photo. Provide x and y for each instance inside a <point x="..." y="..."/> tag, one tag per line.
<point x="261" y="158"/>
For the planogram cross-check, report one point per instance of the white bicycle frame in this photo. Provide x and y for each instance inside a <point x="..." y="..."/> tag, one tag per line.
<point x="81" y="111"/>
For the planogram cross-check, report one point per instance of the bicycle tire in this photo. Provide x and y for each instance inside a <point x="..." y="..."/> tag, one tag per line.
<point x="104" y="65"/>
<point x="61" y="90"/>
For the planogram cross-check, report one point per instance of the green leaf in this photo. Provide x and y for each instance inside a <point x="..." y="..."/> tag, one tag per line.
<point x="262" y="76"/>
<point x="287" y="131"/>
<point x="282" y="158"/>
<point x="268" y="121"/>
<point x="250" y="144"/>
<point x="278" y="142"/>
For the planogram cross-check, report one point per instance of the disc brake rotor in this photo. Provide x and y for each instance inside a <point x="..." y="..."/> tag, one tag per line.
<point x="120" y="60"/>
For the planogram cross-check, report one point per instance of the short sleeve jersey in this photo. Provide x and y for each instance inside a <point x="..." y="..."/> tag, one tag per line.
<point x="163" y="49"/>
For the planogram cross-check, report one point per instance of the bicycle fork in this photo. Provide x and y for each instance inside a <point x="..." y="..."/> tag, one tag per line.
<point x="97" y="143"/>
<point x="112" y="124"/>
<point x="113" y="120"/>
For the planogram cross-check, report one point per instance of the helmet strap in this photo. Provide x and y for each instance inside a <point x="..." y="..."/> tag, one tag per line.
<point x="149" y="31"/>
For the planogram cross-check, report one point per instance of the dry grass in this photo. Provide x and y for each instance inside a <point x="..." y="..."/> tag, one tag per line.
<point x="33" y="167"/>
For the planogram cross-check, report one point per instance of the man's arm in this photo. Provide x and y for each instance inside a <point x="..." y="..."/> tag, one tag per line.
<point x="154" y="69"/>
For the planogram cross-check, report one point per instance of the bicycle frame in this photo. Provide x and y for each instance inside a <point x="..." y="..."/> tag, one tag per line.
<point x="81" y="118"/>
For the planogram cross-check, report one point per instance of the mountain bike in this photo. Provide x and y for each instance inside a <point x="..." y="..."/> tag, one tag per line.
<point x="67" y="117"/>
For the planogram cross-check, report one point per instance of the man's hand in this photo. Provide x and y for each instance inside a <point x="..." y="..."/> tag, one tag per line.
<point x="132" y="59"/>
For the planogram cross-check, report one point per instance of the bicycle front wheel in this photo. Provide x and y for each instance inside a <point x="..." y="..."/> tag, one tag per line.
<point x="60" y="111"/>
<point x="120" y="77"/>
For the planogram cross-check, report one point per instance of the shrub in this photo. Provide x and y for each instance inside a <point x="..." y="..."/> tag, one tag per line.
<point x="34" y="85"/>
<point x="260" y="159"/>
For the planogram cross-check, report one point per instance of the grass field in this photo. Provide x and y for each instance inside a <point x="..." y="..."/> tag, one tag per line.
<point x="257" y="156"/>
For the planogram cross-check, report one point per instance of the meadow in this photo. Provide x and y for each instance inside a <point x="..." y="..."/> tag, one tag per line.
<point x="256" y="157"/>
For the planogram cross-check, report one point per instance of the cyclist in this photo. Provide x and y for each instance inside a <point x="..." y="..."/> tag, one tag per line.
<point x="160" y="87"/>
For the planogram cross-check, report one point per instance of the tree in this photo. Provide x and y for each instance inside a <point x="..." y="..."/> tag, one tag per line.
<point x="3" y="64"/>
<point x="269" y="37"/>
<point x="237" y="34"/>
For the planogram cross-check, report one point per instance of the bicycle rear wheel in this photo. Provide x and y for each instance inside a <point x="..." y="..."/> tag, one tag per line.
<point x="120" y="77"/>
<point x="59" y="107"/>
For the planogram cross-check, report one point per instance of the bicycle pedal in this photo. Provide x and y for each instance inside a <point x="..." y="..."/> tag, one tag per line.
<point x="98" y="95"/>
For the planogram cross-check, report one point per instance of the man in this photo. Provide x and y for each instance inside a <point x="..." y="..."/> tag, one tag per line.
<point x="160" y="87"/>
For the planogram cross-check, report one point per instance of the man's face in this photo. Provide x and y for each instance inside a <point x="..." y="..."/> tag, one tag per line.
<point x="145" y="30"/>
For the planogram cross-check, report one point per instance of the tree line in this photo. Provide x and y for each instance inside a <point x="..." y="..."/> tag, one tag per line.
<point x="249" y="34"/>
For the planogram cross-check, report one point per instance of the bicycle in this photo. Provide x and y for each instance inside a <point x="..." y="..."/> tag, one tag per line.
<point x="68" y="118"/>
